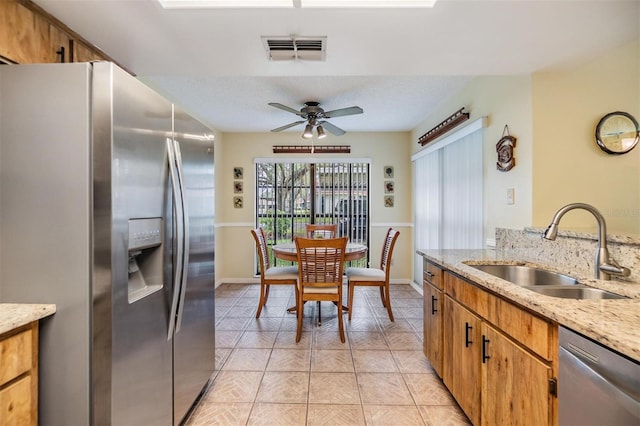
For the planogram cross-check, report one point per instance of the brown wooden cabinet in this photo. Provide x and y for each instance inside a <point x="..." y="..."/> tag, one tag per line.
<point x="28" y="35"/>
<point x="498" y="359"/>
<point x="433" y="305"/>
<point x="19" y="376"/>
<point x="462" y="350"/>
<point x="515" y="383"/>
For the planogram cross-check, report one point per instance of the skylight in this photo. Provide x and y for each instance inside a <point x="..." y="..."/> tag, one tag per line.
<point x="205" y="4"/>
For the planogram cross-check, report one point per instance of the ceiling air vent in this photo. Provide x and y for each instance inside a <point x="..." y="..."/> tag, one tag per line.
<point x="289" y="48"/>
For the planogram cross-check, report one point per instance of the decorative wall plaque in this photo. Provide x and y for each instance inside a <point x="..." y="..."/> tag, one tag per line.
<point x="504" y="147"/>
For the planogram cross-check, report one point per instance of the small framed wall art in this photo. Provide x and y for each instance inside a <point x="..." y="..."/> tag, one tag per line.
<point x="237" y="187"/>
<point x="237" y="202"/>
<point x="388" y="187"/>
<point x="388" y="172"/>
<point x="238" y="173"/>
<point x="388" y="200"/>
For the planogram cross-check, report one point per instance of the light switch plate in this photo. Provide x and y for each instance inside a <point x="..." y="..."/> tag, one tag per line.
<point x="511" y="196"/>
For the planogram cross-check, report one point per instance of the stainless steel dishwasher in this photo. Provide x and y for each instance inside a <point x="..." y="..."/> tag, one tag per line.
<point x="596" y="386"/>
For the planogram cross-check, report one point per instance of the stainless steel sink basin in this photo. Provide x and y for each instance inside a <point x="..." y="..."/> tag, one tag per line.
<point x="576" y="292"/>
<point x="526" y="275"/>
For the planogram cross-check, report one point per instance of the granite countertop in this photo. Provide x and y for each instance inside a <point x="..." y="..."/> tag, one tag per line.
<point x="14" y="315"/>
<point x="614" y="323"/>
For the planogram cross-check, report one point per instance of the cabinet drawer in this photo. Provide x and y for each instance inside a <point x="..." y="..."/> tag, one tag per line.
<point x="432" y="274"/>
<point x="15" y="403"/>
<point x="530" y="330"/>
<point x="15" y="355"/>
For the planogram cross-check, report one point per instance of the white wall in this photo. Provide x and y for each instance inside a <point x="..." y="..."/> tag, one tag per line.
<point x="504" y="101"/>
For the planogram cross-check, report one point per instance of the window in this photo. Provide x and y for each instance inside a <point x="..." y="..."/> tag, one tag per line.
<point x="448" y="193"/>
<point x="291" y="194"/>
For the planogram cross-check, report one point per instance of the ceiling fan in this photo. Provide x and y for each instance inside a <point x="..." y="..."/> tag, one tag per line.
<point x="316" y="117"/>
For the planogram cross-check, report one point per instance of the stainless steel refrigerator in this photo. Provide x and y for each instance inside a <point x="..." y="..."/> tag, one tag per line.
<point x="107" y="210"/>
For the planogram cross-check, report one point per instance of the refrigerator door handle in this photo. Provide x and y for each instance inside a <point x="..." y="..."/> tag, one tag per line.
<point x="185" y="236"/>
<point x="178" y="211"/>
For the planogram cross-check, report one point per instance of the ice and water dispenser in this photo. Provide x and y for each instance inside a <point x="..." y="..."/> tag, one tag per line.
<point x="145" y="257"/>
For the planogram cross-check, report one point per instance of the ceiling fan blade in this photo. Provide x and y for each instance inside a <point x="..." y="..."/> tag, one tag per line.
<point x="285" y="108"/>
<point x="343" y="111"/>
<point x="331" y="128"/>
<point x="286" y="126"/>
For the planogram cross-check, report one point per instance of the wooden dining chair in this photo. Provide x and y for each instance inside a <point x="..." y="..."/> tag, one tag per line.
<point x="375" y="276"/>
<point x="271" y="275"/>
<point x="320" y="267"/>
<point x="321" y="231"/>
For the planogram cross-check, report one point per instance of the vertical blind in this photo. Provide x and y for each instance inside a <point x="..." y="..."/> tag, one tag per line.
<point x="448" y="197"/>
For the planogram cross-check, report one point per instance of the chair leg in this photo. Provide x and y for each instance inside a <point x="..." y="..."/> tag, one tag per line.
<point x="319" y="315"/>
<point x="383" y="298"/>
<point x="266" y="293"/>
<point x="300" y="306"/>
<point x="350" y="303"/>
<point x="388" y="300"/>
<point x="262" y="300"/>
<point x="340" y="325"/>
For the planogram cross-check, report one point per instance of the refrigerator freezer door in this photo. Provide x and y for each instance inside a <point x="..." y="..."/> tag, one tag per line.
<point x="131" y="186"/>
<point x="194" y="357"/>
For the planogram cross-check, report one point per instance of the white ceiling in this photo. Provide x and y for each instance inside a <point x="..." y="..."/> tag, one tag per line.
<point x="397" y="64"/>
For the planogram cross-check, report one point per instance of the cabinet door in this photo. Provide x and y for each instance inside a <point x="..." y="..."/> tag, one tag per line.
<point x="16" y="404"/>
<point x="433" y="304"/>
<point x="462" y="350"/>
<point x="515" y="383"/>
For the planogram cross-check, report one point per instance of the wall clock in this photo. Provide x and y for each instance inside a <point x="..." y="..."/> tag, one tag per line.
<point x="617" y="133"/>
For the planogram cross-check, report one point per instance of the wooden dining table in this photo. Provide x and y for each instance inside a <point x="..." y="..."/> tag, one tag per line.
<point x="287" y="251"/>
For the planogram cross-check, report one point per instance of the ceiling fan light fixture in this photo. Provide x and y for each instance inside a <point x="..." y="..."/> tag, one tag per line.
<point x="308" y="132"/>
<point x="321" y="133"/>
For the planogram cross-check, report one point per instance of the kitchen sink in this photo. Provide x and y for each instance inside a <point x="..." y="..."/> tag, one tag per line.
<point x="575" y="292"/>
<point x="526" y="275"/>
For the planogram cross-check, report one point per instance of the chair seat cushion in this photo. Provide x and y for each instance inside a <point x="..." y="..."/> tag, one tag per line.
<point x="282" y="273"/>
<point x="320" y="290"/>
<point x="365" y="274"/>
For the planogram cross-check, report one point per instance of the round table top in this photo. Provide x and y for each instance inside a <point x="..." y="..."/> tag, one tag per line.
<point x="287" y="251"/>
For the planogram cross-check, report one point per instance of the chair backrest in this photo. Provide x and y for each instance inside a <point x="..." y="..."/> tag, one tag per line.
<point x="261" y="246"/>
<point x="320" y="261"/>
<point x="387" y="250"/>
<point x="322" y="231"/>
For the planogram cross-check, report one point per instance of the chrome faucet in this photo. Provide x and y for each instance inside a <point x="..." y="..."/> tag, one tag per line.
<point x="605" y="266"/>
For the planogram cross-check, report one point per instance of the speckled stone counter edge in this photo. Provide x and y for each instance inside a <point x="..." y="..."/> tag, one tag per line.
<point x="14" y="315"/>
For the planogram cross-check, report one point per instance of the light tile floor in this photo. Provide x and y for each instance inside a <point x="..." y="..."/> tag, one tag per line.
<point x="379" y="376"/>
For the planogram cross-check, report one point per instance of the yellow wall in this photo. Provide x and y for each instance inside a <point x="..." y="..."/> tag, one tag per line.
<point x="234" y="245"/>
<point x="568" y="165"/>
<point x="553" y="114"/>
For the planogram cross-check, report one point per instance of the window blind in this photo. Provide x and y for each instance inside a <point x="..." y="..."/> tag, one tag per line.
<point x="448" y="184"/>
